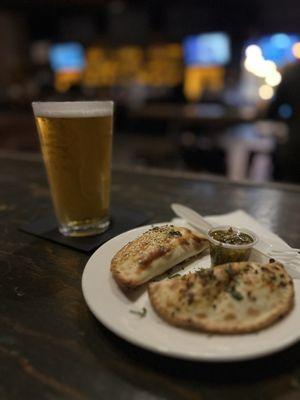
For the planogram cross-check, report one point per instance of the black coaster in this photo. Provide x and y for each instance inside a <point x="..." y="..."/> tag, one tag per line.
<point x="121" y="221"/>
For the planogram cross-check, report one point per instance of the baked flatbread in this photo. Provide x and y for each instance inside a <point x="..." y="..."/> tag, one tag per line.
<point x="153" y="253"/>
<point x="230" y="298"/>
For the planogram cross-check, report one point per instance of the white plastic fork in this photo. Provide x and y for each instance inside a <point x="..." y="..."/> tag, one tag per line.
<point x="288" y="255"/>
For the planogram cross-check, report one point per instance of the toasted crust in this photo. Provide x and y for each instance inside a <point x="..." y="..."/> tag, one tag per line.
<point x="229" y="299"/>
<point x="153" y="253"/>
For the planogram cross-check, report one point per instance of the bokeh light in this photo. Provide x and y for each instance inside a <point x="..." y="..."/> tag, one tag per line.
<point x="273" y="79"/>
<point x="265" y="92"/>
<point x="296" y="50"/>
<point x="253" y="51"/>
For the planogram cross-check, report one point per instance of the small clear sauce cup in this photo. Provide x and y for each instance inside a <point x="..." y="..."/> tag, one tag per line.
<point x="222" y="253"/>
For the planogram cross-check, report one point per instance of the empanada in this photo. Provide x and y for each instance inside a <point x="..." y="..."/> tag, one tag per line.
<point x="153" y="253"/>
<point x="230" y="298"/>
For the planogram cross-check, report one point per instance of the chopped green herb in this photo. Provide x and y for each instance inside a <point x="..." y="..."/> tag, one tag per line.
<point x="231" y="237"/>
<point x="174" y="233"/>
<point x="230" y="272"/>
<point x="141" y="313"/>
<point x="235" y="294"/>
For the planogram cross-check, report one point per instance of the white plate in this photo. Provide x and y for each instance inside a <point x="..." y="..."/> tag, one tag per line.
<point x="113" y="309"/>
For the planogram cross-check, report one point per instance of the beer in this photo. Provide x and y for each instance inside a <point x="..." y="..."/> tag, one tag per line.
<point x="76" y="142"/>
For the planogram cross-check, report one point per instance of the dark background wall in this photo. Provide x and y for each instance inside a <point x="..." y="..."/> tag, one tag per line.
<point x="138" y="21"/>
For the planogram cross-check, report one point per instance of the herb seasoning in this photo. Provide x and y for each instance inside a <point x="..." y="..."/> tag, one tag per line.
<point x="231" y="236"/>
<point x="141" y="313"/>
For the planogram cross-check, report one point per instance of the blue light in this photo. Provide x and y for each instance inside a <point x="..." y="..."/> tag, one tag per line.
<point x="285" y="111"/>
<point x="281" y="40"/>
<point x="67" y="56"/>
<point x="277" y="47"/>
<point x="207" y="49"/>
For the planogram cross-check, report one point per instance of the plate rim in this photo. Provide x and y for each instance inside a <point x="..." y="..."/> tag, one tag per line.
<point x="171" y="353"/>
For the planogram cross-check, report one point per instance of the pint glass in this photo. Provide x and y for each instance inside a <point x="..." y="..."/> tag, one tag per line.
<point x="76" y="143"/>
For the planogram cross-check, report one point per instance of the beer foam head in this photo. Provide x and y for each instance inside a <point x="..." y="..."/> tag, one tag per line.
<point x="73" y="109"/>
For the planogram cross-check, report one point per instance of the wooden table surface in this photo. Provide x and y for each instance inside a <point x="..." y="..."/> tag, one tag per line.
<point x="51" y="346"/>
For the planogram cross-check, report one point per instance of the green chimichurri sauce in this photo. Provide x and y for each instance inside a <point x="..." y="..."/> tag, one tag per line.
<point x="231" y="236"/>
<point x="220" y="254"/>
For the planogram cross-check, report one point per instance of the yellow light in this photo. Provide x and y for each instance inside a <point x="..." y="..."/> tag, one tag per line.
<point x="296" y="50"/>
<point x="253" y="51"/>
<point x="197" y="79"/>
<point x="66" y="78"/>
<point x="273" y="79"/>
<point x="266" y="92"/>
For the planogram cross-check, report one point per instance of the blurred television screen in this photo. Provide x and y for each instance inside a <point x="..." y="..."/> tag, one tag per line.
<point x="208" y="49"/>
<point x="67" y="56"/>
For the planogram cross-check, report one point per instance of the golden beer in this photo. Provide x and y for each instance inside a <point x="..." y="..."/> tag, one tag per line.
<point x="76" y="142"/>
